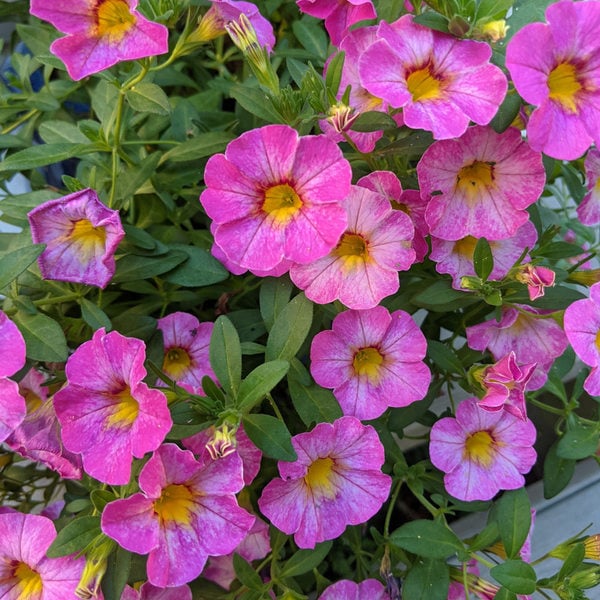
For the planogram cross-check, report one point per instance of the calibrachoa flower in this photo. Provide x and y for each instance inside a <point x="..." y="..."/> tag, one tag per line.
<point x="582" y="326"/>
<point x="482" y="182"/>
<point x="482" y="452"/>
<point x="275" y="196"/>
<point x="107" y="413"/>
<point x="369" y="589"/>
<point x="536" y="278"/>
<point x="25" y="571"/>
<point x="186" y="342"/>
<point x="531" y="335"/>
<point x="150" y="592"/>
<point x="185" y="512"/>
<point x="589" y="209"/>
<point x="12" y="359"/>
<point x="363" y="268"/>
<point x="372" y="359"/>
<point x="101" y="33"/>
<point x="336" y="481"/>
<point x="81" y="236"/>
<point x="440" y="82"/>
<point x="553" y="66"/>
<point x="339" y="15"/>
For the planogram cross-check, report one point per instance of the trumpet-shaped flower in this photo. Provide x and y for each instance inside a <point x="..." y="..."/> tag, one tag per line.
<point x="440" y="82"/>
<point x="369" y="589"/>
<point x="336" y="481"/>
<point x="372" y="359"/>
<point x="185" y="512"/>
<point x="25" y="571"/>
<point x="482" y="182"/>
<point x="482" y="452"/>
<point x="589" y="209"/>
<point x="151" y="592"/>
<point x="363" y="268"/>
<point x="81" y="236"/>
<point x="582" y="327"/>
<point x="100" y="33"/>
<point x="275" y="196"/>
<point x="554" y="66"/>
<point x="107" y="413"/>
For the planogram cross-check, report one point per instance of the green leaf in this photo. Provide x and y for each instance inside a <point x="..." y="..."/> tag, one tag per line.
<point x="313" y="403"/>
<point x="304" y="561"/>
<point x="226" y="355"/>
<point x="433" y="20"/>
<point x="270" y="435"/>
<point x="485" y="538"/>
<point x="427" y="580"/>
<point x="199" y="270"/>
<point x="483" y="261"/>
<point x="557" y="472"/>
<point x="131" y="180"/>
<point x="200" y="146"/>
<point x="256" y="102"/>
<point x="117" y="572"/>
<point x="148" y="97"/>
<point x="572" y="562"/>
<point x="429" y="539"/>
<point x="133" y="268"/>
<point x="274" y="296"/>
<point x="494" y="9"/>
<point x="44" y="337"/>
<point x="75" y="536"/>
<point x="246" y="574"/>
<point x="42" y="155"/>
<point x="14" y="263"/>
<point x="56" y="132"/>
<point x="516" y="576"/>
<point x="373" y="121"/>
<point x="290" y="329"/>
<point x="507" y="112"/>
<point x="260" y="382"/>
<point x="100" y="498"/>
<point x="334" y="73"/>
<point x="504" y="594"/>
<point x="311" y="36"/>
<point x="93" y="315"/>
<point x="443" y="357"/>
<point x="513" y="515"/>
<point x="442" y="297"/>
<point x="579" y="442"/>
<point x="525" y="12"/>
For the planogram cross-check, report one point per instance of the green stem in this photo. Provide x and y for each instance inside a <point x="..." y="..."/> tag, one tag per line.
<point x="57" y="299"/>
<point x="275" y="408"/>
<point x="390" y="510"/>
<point x="543" y="406"/>
<point x="10" y="128"/>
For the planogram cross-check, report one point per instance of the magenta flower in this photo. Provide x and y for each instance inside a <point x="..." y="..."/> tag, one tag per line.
<point x="339" y="15"/>
<point x="553" y="66"/>
<point x="589" y="209"/>
<point x="582" y="327"/>
<point x="336" y="481"/>
<point x="482" y="182"/>
<point x="81" y="236"/>
<point x="185" y="512"/>
<point x="275" y="196"/>
<point x="372" y="359"/>
<point x="25" y="571"/>
<point x="100" y="33"/>
<point x="12" y="359"/>
<point x="369" y="589"/>
<point x="150" y="592"/>
<point x="536" y="278"/>
<point x="186" y="343"/>
<point x="107" y="413"/>
<point x="532" y="336"/>
<point x="440" y="82"/>
<point x="482" y="452"/>
<point x="505" y="383"/>
<point x="363" y="268"/>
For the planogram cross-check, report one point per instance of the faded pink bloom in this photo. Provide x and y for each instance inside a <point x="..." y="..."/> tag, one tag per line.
<point x="336" y="481"/>
<point x="554" y="66"/>
<point x="373" y="360"/>
<point x="369" y="589"/>
<point x="482" y="452"/>
<point x="536" y="278"/>
<point x="81" y="236"/>
<point x="107" y="413"/>
<point x="100" y="33"/>
<point x="589" y="209"/>
<point x="150" y="592"/>
<point x="275" y="196"/>
<point x="481" y="184"/>
<point x="440" y="82"/>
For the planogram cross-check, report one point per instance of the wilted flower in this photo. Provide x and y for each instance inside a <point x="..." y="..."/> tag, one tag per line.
<point x="536" y="278"/>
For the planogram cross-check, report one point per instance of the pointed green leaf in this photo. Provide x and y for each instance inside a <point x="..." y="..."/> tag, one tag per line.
<point x="94" y="316"/>
<point x="290" y="329"/>
<point x="246" y="574"/>
<point x="75" y="536"/>
<point x="117" y="572"/>
<point x="516" y="576"/>
<point x="483" y="261"/>
<point x="304" y="561"/>
<point x="427" y="579"/>
<point x="148" y="97"/>
<point x="430" y="539"/>
<point x="259" y="382"/>
<point x="270" y="435"/>
<point x="226" y="355"/>
<point x="274" y="296"/>
<point x="513" y="515"/>
<point x="44" y="337"/>
<point x="14" y="263"/>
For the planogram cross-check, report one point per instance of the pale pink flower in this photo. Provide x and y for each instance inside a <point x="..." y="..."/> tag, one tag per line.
<point x="150" y="592"/>
<point x="369" y="589"/>
<point x="589" y="209"/>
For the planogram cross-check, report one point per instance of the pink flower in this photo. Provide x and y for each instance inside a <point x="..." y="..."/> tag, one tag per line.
<point x="107" y="413"/>
<point x="336" y="481"/>
<point x="12" y="359"/>
<point x="440" y="82"/>
<point x="25" y="571"/>
<point x="363" y="268"/>
<point x="531" y="335"/>
<point x="101" y="33"/>
<point x="185" y="512"/>
<point x="505" y="384"/>
<point x="150" y="592"/>
<point x="536" y="278"/>
<point x="369" y="589"/>
<point x="81" y="236"/>
<point x="186" y="342"/>
<point x="339" y="15"/>
<point x="582" y="327"/>
<point x="372" y="360"/>
<point x="553" y="66"/>
<point x="482" y="182"/>
<point x="275" y="196"/>
<point x="482" y="452"/>
<point x="589" y="209"/>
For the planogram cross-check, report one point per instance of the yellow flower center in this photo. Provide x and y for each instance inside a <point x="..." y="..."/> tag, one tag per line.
<point x="423" y="85"/>
<point x="564" y="85"/>
<point x="368" y="361"/>
<point x="598" y="340"/>
<point x="32" y="400"/>
<point x="29" y="583"/>
<point x="113" y="18"/>
<point x="176" y="503"/>
<point x="281" y="203"/>
<point x="479" y="448"/>
<point x="353" y="251"/>
<point x="466" y="246"/>
<point x="176" y="362"/>
<point x="319" y="477"/>
<point x="125" y="409"/>
<point x="475" y="178"/>
<point x="88" y="238"/>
